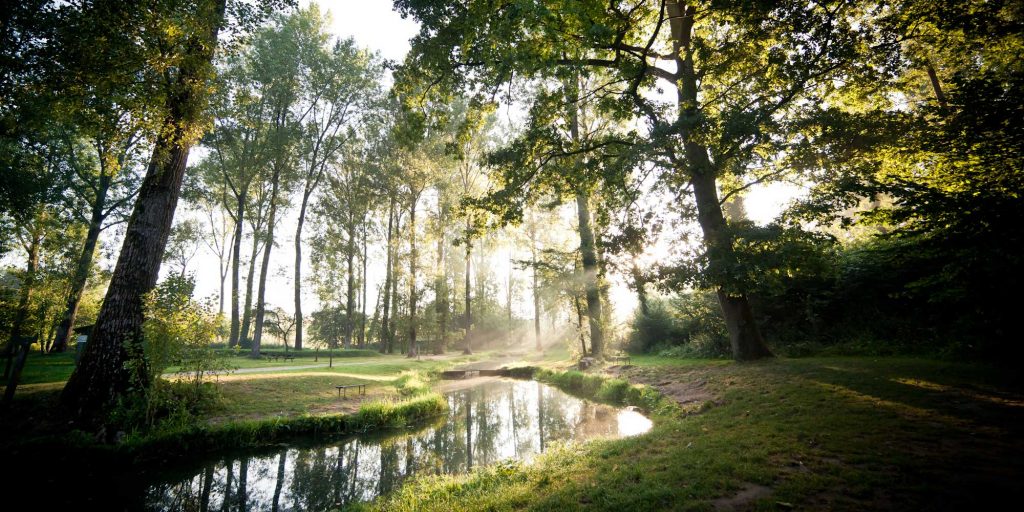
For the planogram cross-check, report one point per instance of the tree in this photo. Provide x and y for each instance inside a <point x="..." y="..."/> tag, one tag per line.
<point x="738" y="70"/>
<point x="103" y="375"/>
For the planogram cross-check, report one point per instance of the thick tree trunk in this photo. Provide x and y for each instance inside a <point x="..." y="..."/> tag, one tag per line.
<point x="298" y="269"/>
<point x="81" y="276"/>
<point x="112" y="364"/>
<point x="385" y="326"/>
<point x="413" y="349"/>
<point x="744" y="335"/>
<point x="588" y="254"/>
<point x="236" y="261"/>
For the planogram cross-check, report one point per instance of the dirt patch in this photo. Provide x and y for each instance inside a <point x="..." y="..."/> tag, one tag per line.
<point x="686" y="388"/>
<point x="742" y="499"/>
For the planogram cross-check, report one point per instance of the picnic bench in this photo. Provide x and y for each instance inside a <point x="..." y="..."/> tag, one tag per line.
<point x="275" y="357"/>
<point x="342" y="390"/>
<point x="620" y="357"/>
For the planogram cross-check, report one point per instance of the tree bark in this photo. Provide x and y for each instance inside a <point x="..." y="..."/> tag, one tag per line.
<point x="247" y="312"/>
<point x="81" y="276"/>
<point x="268" y="245"/>
<point x="362" y="302"/>
<point x="413" y="351"/>
<point x="298" y="268"/>
<point x="440" y="286"/>
<point x="469" y="303"/>
<point x="236" y="259"/>
<point x="385" y="327"/>
<point x="536" y="289"/>
<point x="593" y="293"/>
<point x="350" y="302"/>
<point x="103" y="375"/>
<point x="744" y="335"/>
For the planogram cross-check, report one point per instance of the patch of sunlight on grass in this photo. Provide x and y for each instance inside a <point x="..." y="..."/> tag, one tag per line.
<point x="903" y="409"/>
<point x="932" y="386"/>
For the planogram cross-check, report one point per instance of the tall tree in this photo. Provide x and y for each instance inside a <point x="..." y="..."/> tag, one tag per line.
<point x="112" y="364"/>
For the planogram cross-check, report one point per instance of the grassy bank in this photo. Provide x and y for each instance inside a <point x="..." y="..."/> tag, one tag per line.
<point x="808" y="434"/>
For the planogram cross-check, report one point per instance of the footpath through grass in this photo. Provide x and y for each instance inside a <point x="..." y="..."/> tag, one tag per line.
<point x="806" y="434"/>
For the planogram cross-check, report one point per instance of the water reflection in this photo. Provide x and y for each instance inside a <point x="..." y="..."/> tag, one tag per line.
<point x="494" y="421"/>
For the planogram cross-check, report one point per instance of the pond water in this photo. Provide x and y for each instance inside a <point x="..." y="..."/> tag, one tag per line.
<point x="487" y="423"/>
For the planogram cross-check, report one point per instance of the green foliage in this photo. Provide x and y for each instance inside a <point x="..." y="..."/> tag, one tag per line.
<point x="686" y="325"/>
<point x="177" y="332"/>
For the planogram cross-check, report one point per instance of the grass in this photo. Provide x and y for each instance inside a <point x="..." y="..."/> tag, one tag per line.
<point x="812" y="434"/>
<point x="841" y="433"/>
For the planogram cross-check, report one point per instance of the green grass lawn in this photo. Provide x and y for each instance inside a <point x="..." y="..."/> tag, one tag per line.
<point x="809" y="434"/>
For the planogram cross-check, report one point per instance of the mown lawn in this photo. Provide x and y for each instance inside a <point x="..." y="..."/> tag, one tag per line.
<point x="806" y="434"/>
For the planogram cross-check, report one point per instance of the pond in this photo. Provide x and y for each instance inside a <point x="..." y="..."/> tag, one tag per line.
<point x="493" y="421"/>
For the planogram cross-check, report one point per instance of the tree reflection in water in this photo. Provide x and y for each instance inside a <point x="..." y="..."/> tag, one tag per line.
<point x="496" y="420"/>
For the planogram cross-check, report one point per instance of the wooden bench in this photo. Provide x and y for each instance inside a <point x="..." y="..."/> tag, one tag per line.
<point x="342" y="390"/>
<point x="620" y="357"/>
<point x="275" y="357"/>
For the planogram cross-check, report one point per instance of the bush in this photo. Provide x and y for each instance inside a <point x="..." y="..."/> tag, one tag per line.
<point x="688" y="325"/>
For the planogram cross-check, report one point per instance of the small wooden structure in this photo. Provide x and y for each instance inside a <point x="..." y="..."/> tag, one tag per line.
<point x="342" y="390"/>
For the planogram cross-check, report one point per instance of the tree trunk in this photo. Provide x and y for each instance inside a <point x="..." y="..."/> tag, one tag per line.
<point x="412" y="277"/>
<point x="236" y="259"/>
<point x="247" y="315"/>
<point x="103" y="375"/>
<point x="469" y="303"/>
<point x="744" y="335"/>
<point x="392" y="330"/>
<point x="440" y="288"/>
<point x="261" y="308"/>
<point x="385" y="326"/>
<point x="81" y="275"/>
<point x="508" y="296"/>
<point x="362" y="302"/>
<point x="593" y="293"/>
<point x="536" y="289"/>
<point x="298" y="269"/>
<point x="350" y="304"/>
<point x="933" y="77"/>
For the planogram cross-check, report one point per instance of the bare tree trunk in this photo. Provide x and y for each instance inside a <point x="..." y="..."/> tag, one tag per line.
<point x="744" y="335"/>
<point x="298" y="269"/>
<point x="590" y="271"/>
<point x="412" y="277"/>
<point x="247" y="311"/>
<point x="440" y="287"/>
<point x="936" y="86"/>
<point x="268" y="244"/>
<point x="536" y="289"/>
<point x="350" y="304"/>
<point x="385" y="326"/>
<point x="508" y="296"/>
<point x="236" y="259"/>
<point x="362" y="302"/>
<point x="469" y="303"/>
<point x="81" y="275"/>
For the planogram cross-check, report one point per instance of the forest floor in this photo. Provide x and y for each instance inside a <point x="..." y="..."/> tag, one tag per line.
<point x="807" y="434"/>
